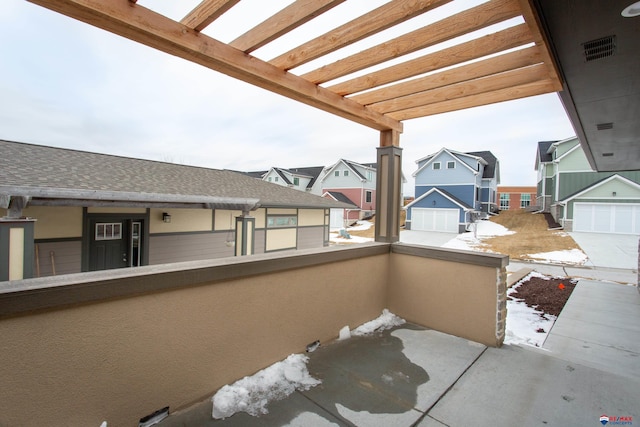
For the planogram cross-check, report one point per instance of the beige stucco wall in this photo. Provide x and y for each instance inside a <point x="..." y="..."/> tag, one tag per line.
<point x="55" y="222"/>
<point x="451" y="297"/>
<point x="281" y="211"/>
<point x="307" y="217"/>
<point x="182" y="220"/>
<point x="16" y="253"/>
<point x="121" y="359"/>
<point x="281" y="239"/>
<point x="226" y="220"/>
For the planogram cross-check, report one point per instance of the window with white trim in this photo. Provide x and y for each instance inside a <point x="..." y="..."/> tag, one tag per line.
<point x="345" y="173"/>
<point x="336" y="173"/>
<point x="525" y="200"/>
<point x="296" y="181"/>
<point x="504" y="201"/>
<point x="368" y="196"/>
<point x="108" y="231"/>
<point x="436" y="166"/>
<point x="451" y="165"/>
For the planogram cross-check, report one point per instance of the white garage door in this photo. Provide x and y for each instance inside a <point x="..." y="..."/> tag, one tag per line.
<point x="606" y="218"/>
<point x="337" y="218"/>
<point x="424" y="219"/>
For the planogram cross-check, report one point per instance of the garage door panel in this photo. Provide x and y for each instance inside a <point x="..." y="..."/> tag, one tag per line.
<point x="425" y="219"/>
<point x="607" y="218"/>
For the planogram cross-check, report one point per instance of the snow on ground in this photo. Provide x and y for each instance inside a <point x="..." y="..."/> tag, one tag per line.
<point x="573" y="256"/>
<point x="473" y="239"/>
<point x="526" y="325"/>
<point x="335" y="236"/>
<point x="386" y="320"/>
<point x="252" y="394"/>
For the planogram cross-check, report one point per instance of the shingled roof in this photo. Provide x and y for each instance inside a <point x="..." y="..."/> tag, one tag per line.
<point x="490" y="169"/>
<point x="49" y="175"/>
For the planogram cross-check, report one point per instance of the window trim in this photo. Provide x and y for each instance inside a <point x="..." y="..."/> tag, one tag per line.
<point x="282" y="221"/>
<point x="439" y="164"/>
<point x="451" y="162"/>
<point x="368" y="196"/>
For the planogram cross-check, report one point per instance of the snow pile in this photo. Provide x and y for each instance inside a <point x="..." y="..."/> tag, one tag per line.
<point x="473" y="240"/>
<point x="573" y="256"/>
<point x="344" y="334"/>
<point x="526" y="325"/>
<point x="386" y="320"/>
<point x="252" y="394"/>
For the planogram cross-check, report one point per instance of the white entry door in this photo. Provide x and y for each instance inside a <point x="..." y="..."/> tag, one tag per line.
<point x="426" y="219"/>
<point x="623" y="218"/>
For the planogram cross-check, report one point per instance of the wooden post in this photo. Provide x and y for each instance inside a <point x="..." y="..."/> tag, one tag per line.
<point x="388" y="187"/>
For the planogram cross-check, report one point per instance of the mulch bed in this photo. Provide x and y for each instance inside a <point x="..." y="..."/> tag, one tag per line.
<point x="545" y="294"/>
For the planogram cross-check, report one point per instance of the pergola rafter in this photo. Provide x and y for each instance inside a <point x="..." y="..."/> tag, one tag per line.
<point x="461" y="76"/>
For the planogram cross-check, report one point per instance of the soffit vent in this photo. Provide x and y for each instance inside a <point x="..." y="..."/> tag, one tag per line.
<point x="599" y="49"/>
<point x="604" y="126"/>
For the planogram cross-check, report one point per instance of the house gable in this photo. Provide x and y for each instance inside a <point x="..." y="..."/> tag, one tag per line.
<point x="436" y="170"/>
<point x="623" y="188"/>
<point x="348" y="174"/>
<point x="574" y="160"/>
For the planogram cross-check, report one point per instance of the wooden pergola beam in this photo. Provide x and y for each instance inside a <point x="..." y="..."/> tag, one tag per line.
<point x="540" y="39"/>
<point x="386" y="16"/>
<point x="446" y="29"/>
<point x="288" y="19"/>
<point x="497" y="64"/>
<point x="207" y="12"/>
<point x="152" y="29"/>
<point x="492" y="83"/>
<point x="493" y="43"/>
<point x="517" y="92"/>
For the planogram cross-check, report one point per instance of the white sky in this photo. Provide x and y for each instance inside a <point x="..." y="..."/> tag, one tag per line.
<point x="64" y="83"/>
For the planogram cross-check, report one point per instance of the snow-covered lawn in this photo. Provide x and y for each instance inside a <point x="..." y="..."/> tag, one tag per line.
<point x="362" y="225"/>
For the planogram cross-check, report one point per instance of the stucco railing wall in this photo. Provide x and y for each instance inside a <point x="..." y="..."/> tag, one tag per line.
<point x="460" y="293"/>
<point x="80" y="349"/>
<point x="120" y="344"/>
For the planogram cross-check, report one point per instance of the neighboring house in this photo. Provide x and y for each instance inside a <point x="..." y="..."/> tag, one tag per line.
<point x="452" y="189"/>
<point x="96" y="211"/>
<point x="516" y="197"/>
<point x="352" y="181"/>
<point x="581" y="199"/>
<point x="304" y="179"/>
<point x="345" y="181"/>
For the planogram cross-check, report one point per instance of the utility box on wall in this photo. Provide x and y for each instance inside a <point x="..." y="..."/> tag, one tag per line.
<point x="16" y="248"/>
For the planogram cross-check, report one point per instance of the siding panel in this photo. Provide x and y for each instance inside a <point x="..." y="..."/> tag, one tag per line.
<point x="67" y="257"/>
<point x="188" y="247"/>
<point x="310" y="237"/>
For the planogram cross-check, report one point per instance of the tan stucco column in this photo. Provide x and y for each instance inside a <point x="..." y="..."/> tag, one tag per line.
<point x="388" y="187"/>
<point x="245" y="227"/>
<point x="16" y="248"/>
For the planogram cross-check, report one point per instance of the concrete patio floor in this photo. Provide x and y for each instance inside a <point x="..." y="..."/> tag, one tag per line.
<point x="410" y="376"/>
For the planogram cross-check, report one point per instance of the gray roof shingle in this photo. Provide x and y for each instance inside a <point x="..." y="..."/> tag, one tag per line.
<point x="41" y="167"/>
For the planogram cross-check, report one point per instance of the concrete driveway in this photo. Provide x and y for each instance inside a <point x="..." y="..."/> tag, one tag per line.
<point x="426" y="238"/>
<point x="609" y="250"/>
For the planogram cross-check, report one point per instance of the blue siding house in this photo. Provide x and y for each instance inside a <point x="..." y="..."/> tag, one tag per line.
<point x="452" y="190"/>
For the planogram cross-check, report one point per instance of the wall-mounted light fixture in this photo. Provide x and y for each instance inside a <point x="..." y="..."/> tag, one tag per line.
<point x="166" y="217"/>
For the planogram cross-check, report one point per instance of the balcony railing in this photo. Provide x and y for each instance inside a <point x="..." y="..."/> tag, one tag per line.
<point x="120" y="344"/>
